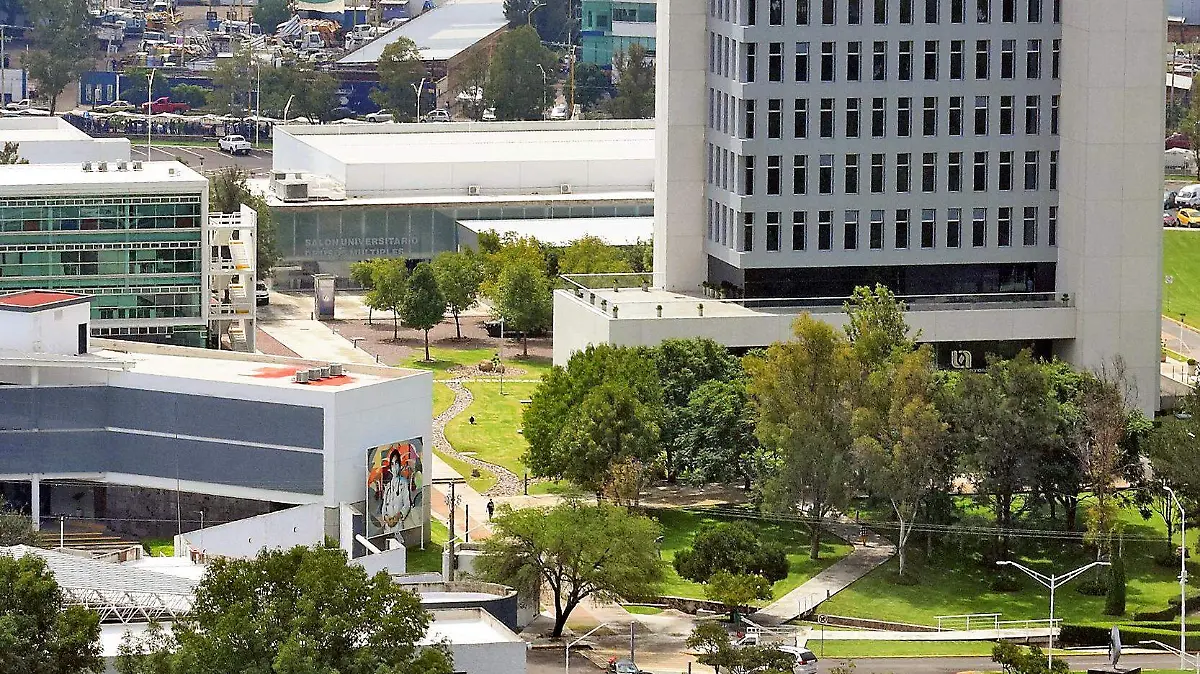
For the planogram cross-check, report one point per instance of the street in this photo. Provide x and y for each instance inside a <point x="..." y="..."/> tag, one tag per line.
<point x="1173" y="331"/>
<point x="258" y="162"/>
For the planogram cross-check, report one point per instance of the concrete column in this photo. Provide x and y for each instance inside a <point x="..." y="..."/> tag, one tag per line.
<point x="35" y="501"/>
<point x="680" y="111"/>
<point x="1110" y="239"/>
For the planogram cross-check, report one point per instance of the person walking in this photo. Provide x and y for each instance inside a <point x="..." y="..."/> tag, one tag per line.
<point x="491" y="508"/>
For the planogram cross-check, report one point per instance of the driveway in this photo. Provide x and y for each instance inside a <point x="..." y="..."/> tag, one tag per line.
<point x="204" y="159"/>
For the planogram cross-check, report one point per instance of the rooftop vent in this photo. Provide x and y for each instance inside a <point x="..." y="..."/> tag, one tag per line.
<point x="122" y="166"/>
<point x="137" y="166"/>
<point x="314" y="374"/>
<point x="472" y="190"/>
<point x="87" y="167"/>
<point x="335" y="369"/>
<point x="301" y="377"/>
<point x="171" y="171"/>
<point x="102" y="166"/>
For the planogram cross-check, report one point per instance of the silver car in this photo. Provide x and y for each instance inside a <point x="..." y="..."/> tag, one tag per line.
<point x="806" y="660"/>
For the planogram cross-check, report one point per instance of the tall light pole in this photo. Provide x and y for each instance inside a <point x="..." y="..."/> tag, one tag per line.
<point x="418" y="88"/>
<point x="257" y="101"/>
<point x="149" y="108"/>
<point x="529" y="17"/>
<point x="545" y="85"/>
<point x="1182" y="578"/>
<point x="573" y="644"/>
<point x="1052" y="582"/>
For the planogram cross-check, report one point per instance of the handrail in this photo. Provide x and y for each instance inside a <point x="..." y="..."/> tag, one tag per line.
<point x="1174" y="651"/>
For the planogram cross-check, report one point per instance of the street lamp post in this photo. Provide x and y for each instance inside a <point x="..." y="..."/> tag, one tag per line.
<point x="1182" y="578"/>
<point x="529" y="16"/>
<point x="257" y="101"/>
<point x="149" y="109"/>
<point x="573" y="644"/>
<point x="418" y="88"/>
<point x="1051" y="582"/>
<point x="545" y="85"/>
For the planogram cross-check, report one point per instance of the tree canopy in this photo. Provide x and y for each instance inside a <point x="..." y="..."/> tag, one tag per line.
<point x="635" y="85"/>
<point x="62" y="41"/>
<point x="400" y="70"/>
<point x="590" y="255"/>
<point x="423" y="305"/>
<point x="516" y="85"/>
<point x="522" y="297"/>
<point x="459" y="275"/>
<point x="270" y="13"/>
<point x="38" y="635"/>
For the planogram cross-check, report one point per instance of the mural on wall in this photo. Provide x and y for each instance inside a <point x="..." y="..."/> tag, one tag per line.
<point x="395" y="487"/>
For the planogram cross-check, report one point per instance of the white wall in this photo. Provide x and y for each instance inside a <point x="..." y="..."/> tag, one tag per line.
<point x="75" y="151"/>
<point x="506" y="657"/>
<point x="392" y="561"/>
<point x="49" y="331"/>
<point x="301" y="525"/>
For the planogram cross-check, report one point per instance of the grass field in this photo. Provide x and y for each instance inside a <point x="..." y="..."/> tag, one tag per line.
<point x="429" y="559"/>
<point x="443" y="398"/>
<point x="445" y="359"/>
<point x="159" y="547"/>
<point x="1181" y="260"/>
<point x="642" y="610"/>
<point x="493" y="437"/>
<point x="486" y="480"/>
<point x="679" y="528"/>
<point x="842" y="648"/>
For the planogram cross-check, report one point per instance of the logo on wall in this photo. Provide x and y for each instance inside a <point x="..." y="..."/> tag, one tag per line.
<point x="395" y="487"/>
<point x="960" y="360"/>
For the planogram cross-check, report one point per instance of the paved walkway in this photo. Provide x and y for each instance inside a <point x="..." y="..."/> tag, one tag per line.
<point x="861" y="561"/>
<point x="315" y="341"/>
<point x="813" y="633"/>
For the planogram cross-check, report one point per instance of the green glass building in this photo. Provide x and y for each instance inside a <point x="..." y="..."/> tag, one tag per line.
<point x="610" y="27"/>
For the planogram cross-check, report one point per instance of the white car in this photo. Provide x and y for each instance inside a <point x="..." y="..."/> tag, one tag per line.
<point x="262" y="294"/>
<point x="234" y="144"/>
<point x="438" y="115"/>
<point x="16" y="106"/>
<point x="559" y="112"/>
<point x="806" y="661"/>
<point x="380" y="116"/>
<point x="1188" y="197"/>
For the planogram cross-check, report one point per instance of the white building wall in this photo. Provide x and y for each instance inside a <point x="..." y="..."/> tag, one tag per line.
<point x="507" y="657"/>
<point x="48" y="331"/>
<point x="301" y="525"/>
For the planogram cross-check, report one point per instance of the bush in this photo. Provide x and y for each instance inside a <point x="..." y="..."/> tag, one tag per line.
<point x="1093" y="586"/>
<point x="1004" y="582"/>
<point x="1013" y="658"/>
<point x="733" y="547"/>
<point x="1114" y="600"/>
<point x="1098" y="635"/>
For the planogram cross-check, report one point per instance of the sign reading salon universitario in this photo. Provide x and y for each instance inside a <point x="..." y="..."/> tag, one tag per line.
<point x="395" y="487"/>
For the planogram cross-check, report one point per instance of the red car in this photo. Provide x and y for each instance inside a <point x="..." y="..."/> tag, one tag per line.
<point x="164" y="104"/>
<point x="1178" y="140"/>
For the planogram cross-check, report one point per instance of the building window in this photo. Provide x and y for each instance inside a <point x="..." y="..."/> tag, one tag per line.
<point x="1054" y="115"/>
<point x="801" y="61"/>
<point x="903" y="172"/>
<point x="1052" y="227"/>
<point x="983" y="11"/>
<point x="901" y="229"/>
<point x="799" y="174"/>
<point x="775" y="13"/>
<point x="954" y="228"/>
<point x="1006" y="172"/>
<point x="851" y="186"/>
<point x="1057" y="11"/>
<point x="956" y="116"/>
<point x="904" y="117"/>
<point x="1008" y="11"/>
<point x="1033" y="124"/>
<point x="954" y="172"/>
<point x="1006" y="115"/>
<point x="802" y="12"/>
<point x="958" y="12"/>
<point x="932" y="8"/>
<point x="931" y="59"/>
<point x="828" y="61"/>
<point x="1053" y="179"/>
<point x="982" y="66"/>
<point x="775" y="62"/>
<point x="1033" y="60"/>
<point x="929" y="172"/>
<point x="904" y="66"/>
<point x="878" y="117"/>
<point x="825" y="175"/>
<point x="773" y="231"/>
<point x="1030" y="233"/>
<point x="774" y="175"/>
<point x="748" y="175"/>
<point x="827" y="118"/>
<point x="1031" y="169"/>
<point x="979" y="228"/>
<point x="928" y="228"/>
<point x="876" y="234"/>
<point x="854" y="61"/>
<point x="1055" y="57"/>
<point x="751" y="12"/>
<point x="852" y="117"/>
<point x="775" y="118"/>
<point x="956" y="59"/>
<point x="879" y="61"/>
<point x="828" y="12"/>
<point x="799" y="230"/>
<point x="981" y="115"/>
<point x="880" y="15"/>
<point x="850" y="233"/>
<point x="751" y="61"/>
<point x="906" y="11"/>
<point x="825" y="230"/>
<point x="748" y="232"/>
<point x="1008" y="59"/>
<point x="981" y="172"/>
<point x="712" y="222"/>
<point x="929" y="120"/>
<point x="854" y="12"/>
<point x="748" y="129"/>
<point x="877" y="173"/>
<point x="1004" y="227"/>
<point x="800" y="123"/>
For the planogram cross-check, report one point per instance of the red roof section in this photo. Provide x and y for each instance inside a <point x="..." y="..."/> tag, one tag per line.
<point x="37" y="298"/>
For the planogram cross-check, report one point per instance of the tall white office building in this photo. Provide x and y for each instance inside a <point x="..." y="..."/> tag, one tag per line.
<point x="995" y="162"/>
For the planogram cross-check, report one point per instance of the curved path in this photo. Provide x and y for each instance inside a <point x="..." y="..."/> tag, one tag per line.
<point x="507" y="482"/>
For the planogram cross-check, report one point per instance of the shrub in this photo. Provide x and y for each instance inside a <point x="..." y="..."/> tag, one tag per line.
<point x="1004" y="582"/>
<point x="1114" y="600"/>
<point x="733" y="547"/>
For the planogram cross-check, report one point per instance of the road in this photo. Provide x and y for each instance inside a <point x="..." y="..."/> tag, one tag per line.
<point x="1171" y="334"/>
<point x="955" y="665"/>
<point x="258" y="162"/>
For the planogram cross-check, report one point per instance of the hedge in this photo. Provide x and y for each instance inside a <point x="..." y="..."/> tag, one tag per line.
<point x="1098" y="635"/>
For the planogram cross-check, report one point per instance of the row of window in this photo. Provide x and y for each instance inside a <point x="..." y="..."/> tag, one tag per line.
<point x="103" y="223"/>
<point x="1009" y="119"/>
<point x="108" y="262"/>
<point x="722" y="164"/>
<point x="722" y="222"/>
<point x="880" y="63"/>
<point x="167" y="305"/>
<point x="881" y="12"/>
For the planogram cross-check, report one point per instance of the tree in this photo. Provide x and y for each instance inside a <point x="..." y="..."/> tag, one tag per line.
<point x="389" y="283"/>
<point x="227" y="191"/>
<point x="516" y="85"/>
<point x="424" y="305"/>
<point x="590" y="255"/>
<point x="270" y="13"/>
<point x="717" y="650"/>
<point x="151" y="652"/>
<point x="626" y="481"/>
<point x="735" y="591"/>
<point x="11" y="154"/>
<point x="363" y="273"/>
<point x="472" y="78"/>
<point x="303" y="610"/>
<point x="800" y="390"/>
<point x="1098" y="440"/>
<point x="591" y="85"/>
<point x="62" y="41"/>
<point x="523" y="300"/>
<point x="683" y="366"/>
<point x="1114" y="599"/>
<point x="400" y="70"/>
<point x="1016" y="660"/>
<point x="15" y="528"/>
<point x="233" y="82"/>
<point x="715" y="434"/>
<point x="195" y="96"/>
<point x="551" y="18"/>
<point x="635" y="85"/>
<point x="731" y="547"/>
<point x="498" y="254"/>
<point x="579" y="551"/>
<point x="459" y="275"/>
<point x="611" y="425"/>
<point x="313" y="93"/>
<point x="1190" y="127"/>
<point x="38" y="634"/>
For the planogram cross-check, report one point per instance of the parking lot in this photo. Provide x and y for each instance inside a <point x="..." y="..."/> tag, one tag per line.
<point x="205" y="159"/>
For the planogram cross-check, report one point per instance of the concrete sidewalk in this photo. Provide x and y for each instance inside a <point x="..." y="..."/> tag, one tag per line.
<point x="315" y="341"/>
<point x="949" y="635"/>
<point x="861" y="561"/>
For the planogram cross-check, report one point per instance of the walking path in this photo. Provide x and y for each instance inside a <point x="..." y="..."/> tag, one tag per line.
<point x="810" y="633"/>
<point x="861" y="561"/>
<point x="507" y="482"/>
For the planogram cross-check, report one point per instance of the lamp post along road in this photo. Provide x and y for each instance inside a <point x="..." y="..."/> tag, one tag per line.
<point x="1052" y="582"/>
<point x="149" y="109"/>
<point x="419" y="88"/>
<point x="1182" y="579"/>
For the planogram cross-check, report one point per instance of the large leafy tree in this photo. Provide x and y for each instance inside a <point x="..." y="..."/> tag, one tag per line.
<point x="801" y="392"/>
<point x="523" y="299"/>
<point x="62" y="45"/>
<point x="551" y="18"/>
<point x="635" y="85"/>
<point x="389" y="283"/>
<point x="716" y="650"/>
<point x="590" y="255"/>
<point x="227" y="191"/>
<point x="459" y="275"/>
<point x="472" y="78"/>
<point x="233" y="81"/>
<point x="715" y="434"/>
<point x="684" y="365"/>
<point x="424" y="305"/>
<point x="38" y="634"/>
<point x="303" y="610"/>
<point x="515" y="82"/>
<point x="313" y="93"/>
<point x="270" y="13"/>
<point x="612" y="424"/>
<point x="577" y="551"/>
<point x="591" y="85"/>
<point x="15" y="528"/>
<point x="732" y="547"/>
<point x="400" y="70"/>
<point x="363" y="273"/>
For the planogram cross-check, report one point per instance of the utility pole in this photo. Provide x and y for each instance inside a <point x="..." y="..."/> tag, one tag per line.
<point x="149" y="109"/>
<point x="1182" y="579"/>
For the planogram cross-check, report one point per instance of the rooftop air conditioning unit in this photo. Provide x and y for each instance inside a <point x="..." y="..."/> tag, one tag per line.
<point x="137" y="166"/>
<point x="335" y="369"/>
<point x="278" y="175"/>
<point x="87" y="167"/>
<point x="564" y="188"/>
<point x="102" y="166"/>
<point x="472" y="190"/>
<point x="314" y="374"/>
<point x="295" y="191"/>
<point x="171" y="171"/>
<point x="122" y="166"/>
<point x="301" y="377"/>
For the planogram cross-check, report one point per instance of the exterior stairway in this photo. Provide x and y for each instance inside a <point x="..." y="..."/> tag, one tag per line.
<point x="89" y="536"/>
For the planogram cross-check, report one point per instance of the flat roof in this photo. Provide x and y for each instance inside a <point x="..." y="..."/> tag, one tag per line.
<point x="37" y="300"/>
<point x="22" y="129"/>
<point x="25" y="180"/>
<point x="467" y="626"/>
<point x="562" y="231"/>
<point x="441" y="33"/>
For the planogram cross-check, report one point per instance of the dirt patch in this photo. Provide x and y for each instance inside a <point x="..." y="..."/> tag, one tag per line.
<point x="474" y="372"/>
<point x="376" y="339"/>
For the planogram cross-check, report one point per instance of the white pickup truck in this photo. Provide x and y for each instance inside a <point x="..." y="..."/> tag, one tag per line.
<point x="234" y="144"/>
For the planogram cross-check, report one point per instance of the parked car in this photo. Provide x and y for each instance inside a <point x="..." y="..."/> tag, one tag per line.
<point x="1178" y="141"/>
<point x="489" y="115"/>
<point x="17" y="106"/>
<point x="262" y="294"/>
<point x="623" y="666"/>
<point x="1169" y="199"/>
<point x="438" y="115"/>
<point x="1170" y="220"/>
<point x="806" y="661"/>
<point x="559" y="112"/>
<point x="234" y="144"/>
<point x="493" y="330"/>
<point x="1188" y="196"/>
<point x="1188" y="217"/>
<point x="165" y="104"/>
<point x="380" y="116"/>
<point x="117" y="106"/>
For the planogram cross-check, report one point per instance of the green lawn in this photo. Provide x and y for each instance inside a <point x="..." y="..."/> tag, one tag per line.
<point x="159" y="547"/>
<point x="637" y="609"/>
<point x="558" y="488"/>
<point x="444" y="359"/>
<point x="954" y="581"/>
<point x="1181" y="260"/>
<point x="429" y="559"/>
<point x="486" y="480"/>
<point x="835" y="648"/>
<point x="443" y="398"/>
<point x="493" y="437"/>
<point x="680" y="527"/>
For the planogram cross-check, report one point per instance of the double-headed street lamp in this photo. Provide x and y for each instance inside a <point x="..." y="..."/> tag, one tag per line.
<point x="1182" y="578"/>
<point x="1052" y="582"/>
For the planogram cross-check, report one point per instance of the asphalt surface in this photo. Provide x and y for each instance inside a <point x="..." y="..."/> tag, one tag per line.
<point x="205" y="159"/>
<point x="1179" y="338"/>
<point x="955" y="665"/>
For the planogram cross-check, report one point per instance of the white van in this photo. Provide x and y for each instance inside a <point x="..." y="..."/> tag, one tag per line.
<point x="1188" y="197"/>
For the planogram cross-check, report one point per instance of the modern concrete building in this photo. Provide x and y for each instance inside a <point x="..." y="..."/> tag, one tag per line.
<point x="53" y="140"/>
<point x="995" y="162"/>
<point x="137" y="237"/>
<point x="611" y="27"/>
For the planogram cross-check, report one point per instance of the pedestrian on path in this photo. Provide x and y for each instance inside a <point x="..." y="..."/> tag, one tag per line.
<point x="491" y="508"/>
